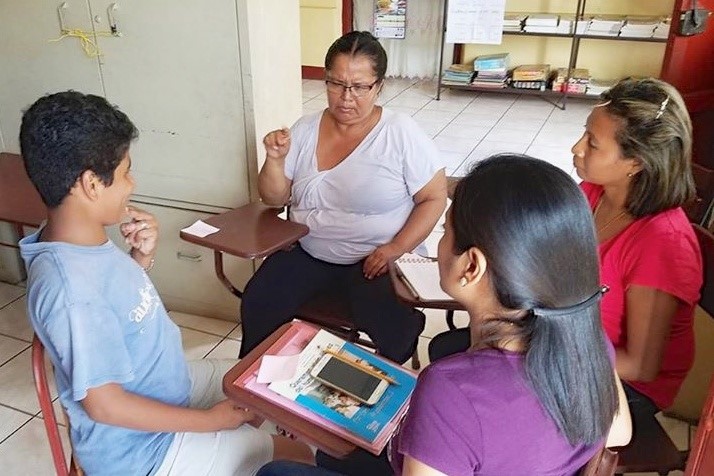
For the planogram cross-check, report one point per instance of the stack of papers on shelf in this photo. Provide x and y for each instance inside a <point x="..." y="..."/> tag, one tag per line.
<point x="583" y="24"/>
<point x="639" y="27"/>
<point x="542" y="19"/>
<point x="662" y="29"/>
<point x="599" y="86"/>
<point x="514" y="21"/>
<point x="605" y="25"/>
<point x="458" y="75"/>
<point x="563" y="26"/>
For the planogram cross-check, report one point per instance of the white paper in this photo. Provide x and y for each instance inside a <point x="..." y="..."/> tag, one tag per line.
<point x="277" y="368"/>
<point x="200" y="229"/>
<point x="475" y="21"/>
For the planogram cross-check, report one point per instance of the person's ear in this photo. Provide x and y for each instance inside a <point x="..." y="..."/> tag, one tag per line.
<point x="635" y="166"/>
<point x="475" y="265"/>
<point x="89" y="184"/>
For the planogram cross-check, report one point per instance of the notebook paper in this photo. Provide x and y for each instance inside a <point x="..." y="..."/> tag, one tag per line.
<point x="422" y="275"/>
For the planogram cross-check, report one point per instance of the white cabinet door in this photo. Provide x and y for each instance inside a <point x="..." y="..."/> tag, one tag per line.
<point x="184" y="273"/>
<point x="32" y="66"/>
<point x="175" y="70"/>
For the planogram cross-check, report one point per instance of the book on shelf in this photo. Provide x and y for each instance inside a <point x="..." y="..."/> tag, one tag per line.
<point x="539" y="85"/>
<point x="495" y="61"/>
<point x="513" y="21"/>
<point x="531" y="72"/>
<point x="576" y="82"/>
<point x="421" y="275"/>
<point x="605" y="25"/>
<point x="369" y="427"/>
<point x="542" y="19"/>
<point x="458" y="74"/>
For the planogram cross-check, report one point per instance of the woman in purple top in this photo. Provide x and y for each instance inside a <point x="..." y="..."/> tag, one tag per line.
<point x="535" y="393"/>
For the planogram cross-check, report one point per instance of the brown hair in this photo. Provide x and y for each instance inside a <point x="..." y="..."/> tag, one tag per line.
<point x="655" y="129"/>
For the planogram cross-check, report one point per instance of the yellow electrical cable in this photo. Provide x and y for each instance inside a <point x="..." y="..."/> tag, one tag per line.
<point x="89" y="47"/>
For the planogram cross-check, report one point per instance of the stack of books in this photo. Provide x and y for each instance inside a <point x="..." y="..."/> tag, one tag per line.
<point x="583" y="24"/>
<point x="576" y="83"/>
<point x="530" y="76"/>
<point x="514" y="21"/>
<point x="639" y="27"/>
<point x="605" y="25"/>
<point x="662" y="29"/>
<point x="549" y="23"/>
<point x="458" y="75"/>
<point x="491" y="71"/>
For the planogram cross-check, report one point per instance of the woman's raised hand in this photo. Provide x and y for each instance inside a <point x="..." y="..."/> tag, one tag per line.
<point x="277" y="143"/>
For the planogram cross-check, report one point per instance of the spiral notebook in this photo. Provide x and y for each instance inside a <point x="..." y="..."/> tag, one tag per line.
<point x="422" y="276"/>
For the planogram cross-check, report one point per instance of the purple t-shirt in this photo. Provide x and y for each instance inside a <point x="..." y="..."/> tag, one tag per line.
<point x="473" y="413"/>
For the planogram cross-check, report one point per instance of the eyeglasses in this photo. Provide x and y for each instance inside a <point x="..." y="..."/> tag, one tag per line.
<point x="357" y="90"/>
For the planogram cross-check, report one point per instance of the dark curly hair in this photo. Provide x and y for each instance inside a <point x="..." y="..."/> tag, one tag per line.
<point x="66" y="133"/>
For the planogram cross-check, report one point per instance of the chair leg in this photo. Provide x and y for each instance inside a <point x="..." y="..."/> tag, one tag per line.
<point x="416" y="364"/>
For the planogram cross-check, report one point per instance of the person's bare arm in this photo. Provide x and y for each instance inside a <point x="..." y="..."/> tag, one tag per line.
<point x="621" y="430"/>
<point x="112" y="405"/>
<point x="429" y="204"/>
<point x="414" y="467"/>
<point x="273" y="186"/>
<point x="649" y="317"/>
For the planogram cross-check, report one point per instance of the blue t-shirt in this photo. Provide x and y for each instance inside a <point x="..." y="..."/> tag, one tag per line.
<point x="102" y="321"/>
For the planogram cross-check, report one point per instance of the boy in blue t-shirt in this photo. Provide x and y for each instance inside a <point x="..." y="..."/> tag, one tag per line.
<point x="135" y="406"/>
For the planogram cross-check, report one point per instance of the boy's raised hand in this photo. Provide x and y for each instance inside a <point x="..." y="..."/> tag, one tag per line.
<point x="229" y="415"/>
<point x="142" y="234"/>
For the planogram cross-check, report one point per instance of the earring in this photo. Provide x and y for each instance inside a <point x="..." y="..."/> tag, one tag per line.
<point x="463" y="281"/>
<point x="630" y="174"/>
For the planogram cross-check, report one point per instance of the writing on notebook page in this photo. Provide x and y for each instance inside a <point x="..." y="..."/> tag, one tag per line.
<point x="422" y="276"/>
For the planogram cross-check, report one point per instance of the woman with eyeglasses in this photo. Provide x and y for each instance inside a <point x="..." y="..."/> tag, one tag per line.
<point x="370" y="186"/>
<point x="635" y="162"/>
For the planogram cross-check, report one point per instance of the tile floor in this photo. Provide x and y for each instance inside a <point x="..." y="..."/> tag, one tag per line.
<point x="466" y="126"/>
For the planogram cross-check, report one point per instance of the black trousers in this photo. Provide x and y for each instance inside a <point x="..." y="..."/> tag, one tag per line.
<point x="288" y="279"/>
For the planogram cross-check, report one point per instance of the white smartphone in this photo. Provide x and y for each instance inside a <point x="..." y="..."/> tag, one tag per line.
<point x="349" y="379"/>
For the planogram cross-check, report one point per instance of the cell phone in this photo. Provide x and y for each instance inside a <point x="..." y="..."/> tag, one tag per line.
<point x="349" y="379"/>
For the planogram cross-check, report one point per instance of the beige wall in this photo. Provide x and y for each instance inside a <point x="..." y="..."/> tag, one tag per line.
<point x="320" y="25"/>
<point x="606" y="59"/>
<point x="275" y="98"/>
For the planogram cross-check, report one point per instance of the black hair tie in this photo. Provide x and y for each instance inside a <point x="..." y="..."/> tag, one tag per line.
<point x="562" y="311"/>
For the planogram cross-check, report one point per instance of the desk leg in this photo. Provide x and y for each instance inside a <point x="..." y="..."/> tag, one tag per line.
<point x="218" y="265"/>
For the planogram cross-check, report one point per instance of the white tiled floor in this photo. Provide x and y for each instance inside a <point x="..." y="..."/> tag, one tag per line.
<point x="466" y="126"/>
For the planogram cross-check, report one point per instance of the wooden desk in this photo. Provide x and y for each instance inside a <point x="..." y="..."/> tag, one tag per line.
<point x="20" y="204"/>
<point x="304" y="430"/>
<point x="405" y="295"/>
<point x="251" y="231"/>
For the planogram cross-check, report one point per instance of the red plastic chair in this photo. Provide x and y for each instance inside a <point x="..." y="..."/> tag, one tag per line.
<point x="48" y="412"/>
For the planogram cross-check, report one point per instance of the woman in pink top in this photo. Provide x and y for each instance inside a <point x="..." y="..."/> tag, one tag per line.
<point x="634" y="159"/>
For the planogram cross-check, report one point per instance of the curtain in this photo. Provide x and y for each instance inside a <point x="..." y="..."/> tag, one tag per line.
<point x="416" y="56"/>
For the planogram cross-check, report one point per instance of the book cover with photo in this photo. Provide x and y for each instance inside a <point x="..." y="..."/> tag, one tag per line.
<point x="369" y="427"/>
<point x="363" y="420"/>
